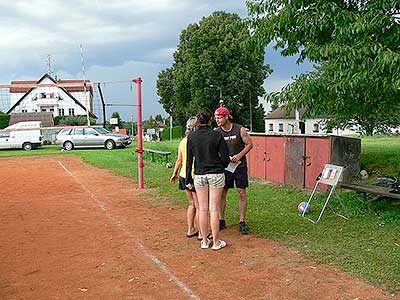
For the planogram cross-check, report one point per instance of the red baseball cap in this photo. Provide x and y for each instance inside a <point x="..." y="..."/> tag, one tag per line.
<point x="222" y="112"/>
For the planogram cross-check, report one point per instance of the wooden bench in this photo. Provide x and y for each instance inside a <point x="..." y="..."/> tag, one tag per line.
<point x="154" y="151"/>
<point x="366" y="190"/>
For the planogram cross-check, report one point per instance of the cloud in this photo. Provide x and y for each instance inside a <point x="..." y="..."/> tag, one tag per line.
<point x="121" y="39"/>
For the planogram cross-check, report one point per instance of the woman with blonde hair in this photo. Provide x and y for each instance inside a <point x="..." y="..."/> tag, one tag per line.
<point x="192" y="210"/>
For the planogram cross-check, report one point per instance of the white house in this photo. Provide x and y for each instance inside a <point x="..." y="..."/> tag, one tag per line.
<point x="277" y="122"/>
<point x="59" y="100"/>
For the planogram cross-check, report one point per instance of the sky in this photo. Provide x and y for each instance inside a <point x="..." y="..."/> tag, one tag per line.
<point x="121" y="40"/>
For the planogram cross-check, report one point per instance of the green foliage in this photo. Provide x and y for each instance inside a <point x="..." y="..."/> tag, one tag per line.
<point x="381" y="156"/>
<point x="212" y="61"/>
<point x="4" y="120"/>
<point x="150" y="123"/>
<point x="177" y="132"/>
<point x="355" y="46"/>
<point x="159" y="118"/>
<point x="128" y="127"/>
<point x="79" y="120"/>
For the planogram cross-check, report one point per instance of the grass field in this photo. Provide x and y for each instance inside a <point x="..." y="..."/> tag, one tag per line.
<point x="367" y="245"/>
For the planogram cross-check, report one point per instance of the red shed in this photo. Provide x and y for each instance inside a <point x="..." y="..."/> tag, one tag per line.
<point x="297" y="160"/>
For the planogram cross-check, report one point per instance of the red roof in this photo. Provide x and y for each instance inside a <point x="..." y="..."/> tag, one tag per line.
<point x="32" y="82"/>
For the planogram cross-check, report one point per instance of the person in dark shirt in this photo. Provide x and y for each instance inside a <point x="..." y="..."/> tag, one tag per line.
<point x="210" y="154"/>
<point x="239" y="144"/>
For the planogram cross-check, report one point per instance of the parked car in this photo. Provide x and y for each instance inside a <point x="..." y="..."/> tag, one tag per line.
<point x="22" y="135"/>
<point x="89" y="137"/>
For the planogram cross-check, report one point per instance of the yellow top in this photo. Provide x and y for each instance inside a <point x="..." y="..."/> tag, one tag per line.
<point x="182" y="148"/>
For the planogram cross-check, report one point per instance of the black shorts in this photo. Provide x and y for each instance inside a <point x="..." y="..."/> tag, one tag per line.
<point x="182" y="186"/>
<point x="239" y="178"/>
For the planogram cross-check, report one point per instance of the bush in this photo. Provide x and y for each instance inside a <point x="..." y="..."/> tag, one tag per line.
<point x="46" y="142"/>
<point x="177" y="132"/>
<point x="79" y="120"/>
<point x="4" y="120"/>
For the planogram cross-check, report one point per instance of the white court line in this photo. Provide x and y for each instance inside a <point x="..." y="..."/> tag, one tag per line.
<point x="98" y="202"/>
<point x="162" y="266"/>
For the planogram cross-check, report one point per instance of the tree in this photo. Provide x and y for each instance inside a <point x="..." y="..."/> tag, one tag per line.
<point x="355" y="46"/>
<point x="150" y="123"/>
<point x="159" y="118"/>
<point x="212" y="61"/>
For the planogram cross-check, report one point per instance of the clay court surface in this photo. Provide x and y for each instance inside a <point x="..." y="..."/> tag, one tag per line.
<point x="71" y="231"/>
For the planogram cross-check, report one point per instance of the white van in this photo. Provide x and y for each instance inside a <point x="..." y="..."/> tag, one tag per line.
<point x="22" y="135"/>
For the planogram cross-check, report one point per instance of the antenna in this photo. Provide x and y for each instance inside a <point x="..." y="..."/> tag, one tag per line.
<point x="84" y="86"/>
<point x="49" y="62"/>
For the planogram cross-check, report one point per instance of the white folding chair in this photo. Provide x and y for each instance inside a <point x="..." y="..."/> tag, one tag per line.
<point x="331" y="176"/>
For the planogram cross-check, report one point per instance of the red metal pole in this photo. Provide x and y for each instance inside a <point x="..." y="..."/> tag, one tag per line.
<point x="139" y="149"/>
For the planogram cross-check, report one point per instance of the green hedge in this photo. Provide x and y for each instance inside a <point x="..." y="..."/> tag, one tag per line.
<point x="177" y="132"/>
<point x="79" y="120"/>
<point x="4" y="120"/>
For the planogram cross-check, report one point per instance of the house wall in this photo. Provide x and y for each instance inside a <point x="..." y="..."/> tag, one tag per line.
<point x="54" y="100"/>
<point x="288" y="126"/>
<point x="310" y="127"/>
<point x="86" y="101"/>
<point x="14" y="97"/>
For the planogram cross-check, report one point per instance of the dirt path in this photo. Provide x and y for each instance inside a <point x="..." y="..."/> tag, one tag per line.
<point x="71" y="231"/>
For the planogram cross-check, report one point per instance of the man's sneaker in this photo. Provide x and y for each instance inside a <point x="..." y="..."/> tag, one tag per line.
<point x="243" y="228"/>
<point x="222" y="224"/>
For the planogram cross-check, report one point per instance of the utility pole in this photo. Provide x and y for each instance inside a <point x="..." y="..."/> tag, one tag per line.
<point x="84" y="87"/>
<point x="132" y="124"/>
<point x="221" y="101"/>
<point x="251" y="115"/>
<point x="170" y="128"/>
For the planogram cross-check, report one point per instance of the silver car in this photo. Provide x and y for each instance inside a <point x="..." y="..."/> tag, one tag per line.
<point x="89" y="137"/>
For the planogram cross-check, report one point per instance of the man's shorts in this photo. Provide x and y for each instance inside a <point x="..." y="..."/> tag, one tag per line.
<point x="210" y="180"/>
<point x="239" y="178"/>
<point x="182" y="186"/>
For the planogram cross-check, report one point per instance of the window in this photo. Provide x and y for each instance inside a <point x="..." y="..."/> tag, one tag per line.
<point x="24" y="110"/>
<point x="61" y="111"/>
<point x="316" y="127"/>
<point x="291" y="128"/>
<point x="71" y="112"/>
<point x="65" y="131"/>
<point x="90" y="131"/>
<point x="271" y="127"/>
<point x="280" y="127"/>
<point x="43" y="110"/>
<point x="52" y="109"/>
<point x="78" y="131"/>
<point x="4" y="135"/>
<point x="35" y="110"/>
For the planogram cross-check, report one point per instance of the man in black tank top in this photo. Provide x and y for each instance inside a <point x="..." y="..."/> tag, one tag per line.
<point x="239" y="144"/>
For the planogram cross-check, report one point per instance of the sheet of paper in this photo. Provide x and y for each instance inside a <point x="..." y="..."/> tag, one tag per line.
<point x="232" y="166"/>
